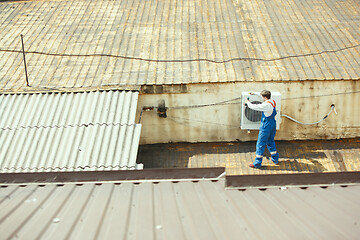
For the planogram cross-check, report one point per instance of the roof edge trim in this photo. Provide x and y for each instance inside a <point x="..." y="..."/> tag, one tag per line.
<point x="121" y="175"/>
<point x="264" y="180"/>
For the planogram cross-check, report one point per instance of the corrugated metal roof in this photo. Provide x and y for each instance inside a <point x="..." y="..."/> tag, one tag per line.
<point x="172" y="42"/>
<point x="178" y="210"/>
<point x="69" y="131"/>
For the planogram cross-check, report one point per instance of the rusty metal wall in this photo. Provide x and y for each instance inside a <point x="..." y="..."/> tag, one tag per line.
<point x="126" y="43"/>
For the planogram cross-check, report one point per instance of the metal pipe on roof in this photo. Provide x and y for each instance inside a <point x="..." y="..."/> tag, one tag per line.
<point x="23" y="51"/>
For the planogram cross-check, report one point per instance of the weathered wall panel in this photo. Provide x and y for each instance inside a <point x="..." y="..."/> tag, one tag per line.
<point x="306" y="101"/>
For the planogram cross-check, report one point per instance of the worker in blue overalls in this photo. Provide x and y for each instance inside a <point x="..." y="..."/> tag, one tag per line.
<point x="267" y="128"/>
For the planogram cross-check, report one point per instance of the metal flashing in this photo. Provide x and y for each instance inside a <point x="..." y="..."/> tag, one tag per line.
<point x="116" y="176"/>
<point x="238" y="181"/>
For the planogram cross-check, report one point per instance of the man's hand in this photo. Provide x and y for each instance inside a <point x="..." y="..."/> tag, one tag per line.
<point x="251" y="93"/>
<point x="247" y="101"/>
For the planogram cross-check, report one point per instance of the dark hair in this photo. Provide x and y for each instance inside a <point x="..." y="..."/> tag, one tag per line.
<point x="266" y="93"/>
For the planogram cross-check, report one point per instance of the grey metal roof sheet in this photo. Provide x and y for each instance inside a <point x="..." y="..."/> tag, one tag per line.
<point x="100" y="43"/>
<point x="178" y="210"/>
<point x="68" y="131"/>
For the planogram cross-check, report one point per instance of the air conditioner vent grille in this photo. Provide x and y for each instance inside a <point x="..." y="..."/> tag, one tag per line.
<point x="251" y="119"/>
<point x="253" y="115"/>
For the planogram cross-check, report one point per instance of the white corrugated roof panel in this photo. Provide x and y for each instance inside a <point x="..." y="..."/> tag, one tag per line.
<point x="68" y="131"/>
<point x="67" y="109"/>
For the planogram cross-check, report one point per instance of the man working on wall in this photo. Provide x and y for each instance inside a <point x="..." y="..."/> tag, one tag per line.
<point x="267" y="128"/>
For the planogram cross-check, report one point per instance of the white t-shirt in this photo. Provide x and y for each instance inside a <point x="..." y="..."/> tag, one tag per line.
<point x="265" y="107"/>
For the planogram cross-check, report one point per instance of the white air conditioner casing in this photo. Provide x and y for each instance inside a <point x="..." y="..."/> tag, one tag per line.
<point x="250" y="119"/>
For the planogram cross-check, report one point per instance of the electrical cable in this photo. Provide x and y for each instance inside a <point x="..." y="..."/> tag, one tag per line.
<point x="323" y="119"/>
<point x="179" y="60"/>
<point x="323" y="95"/>
<point x="230" y="101"/>
<point x="225" y="102"/>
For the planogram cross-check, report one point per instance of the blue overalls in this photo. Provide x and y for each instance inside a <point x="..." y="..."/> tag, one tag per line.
<point x="266" y="137"/>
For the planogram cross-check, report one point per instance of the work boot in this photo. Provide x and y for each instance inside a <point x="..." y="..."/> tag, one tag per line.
<point x="252" y="166"/>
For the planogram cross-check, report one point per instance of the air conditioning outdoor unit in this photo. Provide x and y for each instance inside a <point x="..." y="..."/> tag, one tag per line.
<point x="250" y="119"/>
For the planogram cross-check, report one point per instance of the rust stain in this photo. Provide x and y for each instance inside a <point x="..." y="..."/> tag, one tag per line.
<point x="339" y="161"/>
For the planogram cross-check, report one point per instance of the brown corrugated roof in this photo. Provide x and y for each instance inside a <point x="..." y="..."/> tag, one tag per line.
<point x="200" y="209"/>
<point x="87" y="44"/>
